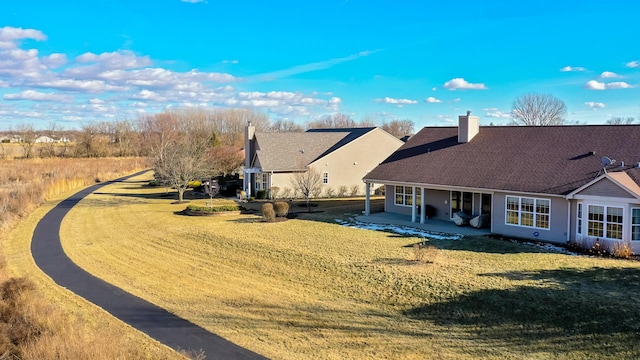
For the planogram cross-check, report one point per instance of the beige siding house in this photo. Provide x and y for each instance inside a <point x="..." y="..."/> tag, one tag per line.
<point x="559" y="184"/>
<point x="342" y="156"/>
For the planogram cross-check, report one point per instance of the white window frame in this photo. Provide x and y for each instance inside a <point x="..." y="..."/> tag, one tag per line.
<point x="635" y="224"/>
<point x="407" y="197"/>
<point x="534" y="213"/>
<point x="605" y="222"/>
<point x="325" y="178"/>
<point x="579" y="219"/>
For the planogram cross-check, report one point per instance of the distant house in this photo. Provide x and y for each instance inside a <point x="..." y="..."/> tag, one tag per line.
<point x="341" y="156"/>
<point x="44" y="139"/>
<point x="550" y="183"/>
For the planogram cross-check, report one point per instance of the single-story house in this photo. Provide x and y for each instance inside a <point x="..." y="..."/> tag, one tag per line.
<point x="341" y="156"/>
<point x="559" y="184"/>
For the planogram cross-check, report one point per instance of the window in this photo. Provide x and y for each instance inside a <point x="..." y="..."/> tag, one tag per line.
<point x="529" y="212"/>
<point x="461" y="201"/>
<point x="404" y="195"/>
<point x="579" y="225"/>
<point x="605" y="221"/>
<point x="325" y="177"/>
<point x="262" y="180"/>
<point x="635" y="224"/>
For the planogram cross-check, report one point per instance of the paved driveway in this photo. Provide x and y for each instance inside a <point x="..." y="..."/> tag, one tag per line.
<point x="156" y="322"/>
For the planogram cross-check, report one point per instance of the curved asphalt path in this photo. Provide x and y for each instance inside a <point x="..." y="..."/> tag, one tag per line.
<point x="156" y="322"/>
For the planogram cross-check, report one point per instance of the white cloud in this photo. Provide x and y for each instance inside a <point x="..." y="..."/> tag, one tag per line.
<point x="609" y="75"/>
<point x="37" y="96"/>
<point x="10" y="35"/>
<point x="320" y="65"/>
<point x="597" y="85"/>
<point x="431" y="99"/>
<point x="460" y="83"/>
<point x="230" y="61"/>
<point x="633" y="64"/>
<point x="595" y="105"/>
<point x="572" y="69"/>
<point x="496" y="113"/>
<point x="388" y="100"/>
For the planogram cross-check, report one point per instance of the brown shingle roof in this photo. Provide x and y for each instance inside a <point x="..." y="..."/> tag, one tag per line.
<point x="544" y="159"/>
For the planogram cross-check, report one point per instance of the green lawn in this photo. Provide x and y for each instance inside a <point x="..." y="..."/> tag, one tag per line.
<point x="308" y="289"/>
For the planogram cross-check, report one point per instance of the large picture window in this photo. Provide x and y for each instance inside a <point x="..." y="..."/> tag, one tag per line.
<point x="605" y="221"/>
<point x="404" y="195"/>
<point x="529" y="212"/>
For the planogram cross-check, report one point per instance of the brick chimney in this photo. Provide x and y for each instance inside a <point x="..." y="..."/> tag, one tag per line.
<point x="468" y="127"/>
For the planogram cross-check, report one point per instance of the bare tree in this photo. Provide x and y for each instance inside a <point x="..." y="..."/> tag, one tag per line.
<point x="336" y="120"/>
<point x="226" y="159"/>
<point x="307" y="183"/>
<point x="286" y="126"/>
<point x="181" y="145"/>
<point x="27" y="138"/>
<point x="533" y="109"/>
<point x="621" y="121"/>
<point x="399" y="128"/>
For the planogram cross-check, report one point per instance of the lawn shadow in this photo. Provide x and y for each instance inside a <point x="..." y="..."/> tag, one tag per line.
<point x="594" y="309"/>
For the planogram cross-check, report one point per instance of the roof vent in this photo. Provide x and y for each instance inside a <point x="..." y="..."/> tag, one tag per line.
<point x="621" y="164"/>
<point x="638" y="165"/>
<point x="592" y="152"/>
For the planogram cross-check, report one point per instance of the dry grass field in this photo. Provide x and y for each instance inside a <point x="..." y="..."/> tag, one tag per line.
<point x="38" y="319"/>
<point x="308" y="289"/>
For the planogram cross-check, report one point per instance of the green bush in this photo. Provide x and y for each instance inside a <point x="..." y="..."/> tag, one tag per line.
<point x="261" y="194"/>
<point x="268" y="212"/>
<point x="281" y="208"/>
<point x="221" y="208"/>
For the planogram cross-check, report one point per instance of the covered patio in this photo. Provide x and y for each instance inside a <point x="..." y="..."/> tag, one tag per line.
<point x="441" y="226"/>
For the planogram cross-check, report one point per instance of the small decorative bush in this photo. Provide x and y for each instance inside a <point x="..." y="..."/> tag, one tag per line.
<point x="274" y="192"/>
<point x="281" y="208"/>
<point x="342" y="191"/>
<point x="354" y="190"/>
<point x="194" y="184"/>
<point x="268" y="212"/>
<point x="425" y="253"/>
<point x="622" y="250"/>
<point x="261" y="194"/>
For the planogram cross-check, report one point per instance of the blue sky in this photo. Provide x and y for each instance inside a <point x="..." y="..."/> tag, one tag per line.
<point x="75" y="61"/>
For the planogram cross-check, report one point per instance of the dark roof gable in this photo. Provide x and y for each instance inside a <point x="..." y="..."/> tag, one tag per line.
<point x="544" y="159"/>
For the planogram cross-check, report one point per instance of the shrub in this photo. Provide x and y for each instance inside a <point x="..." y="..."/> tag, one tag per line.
<point x="281" y="208"/>
<point x="329" y="192"/>
<point x="355" y="190"/>
<point x="261" y="194"/>
<point x="425" y="253"/>
<point x="622" y="250"/>
<point x="342" y="191"/>
<point x="268" y="212"/>
<point x="221" y="208"/>
<point x="194" y="184"/>
<point x="286" y="193"/>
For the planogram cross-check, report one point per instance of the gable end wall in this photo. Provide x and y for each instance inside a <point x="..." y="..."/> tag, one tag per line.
<point x="605" y="187"/>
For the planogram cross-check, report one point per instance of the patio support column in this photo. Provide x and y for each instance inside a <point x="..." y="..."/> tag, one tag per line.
<point x="246" y="183"/>
<point x="367" y="199"/>
<point x="423" y="207"/>
<point x="413" y="204"/>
